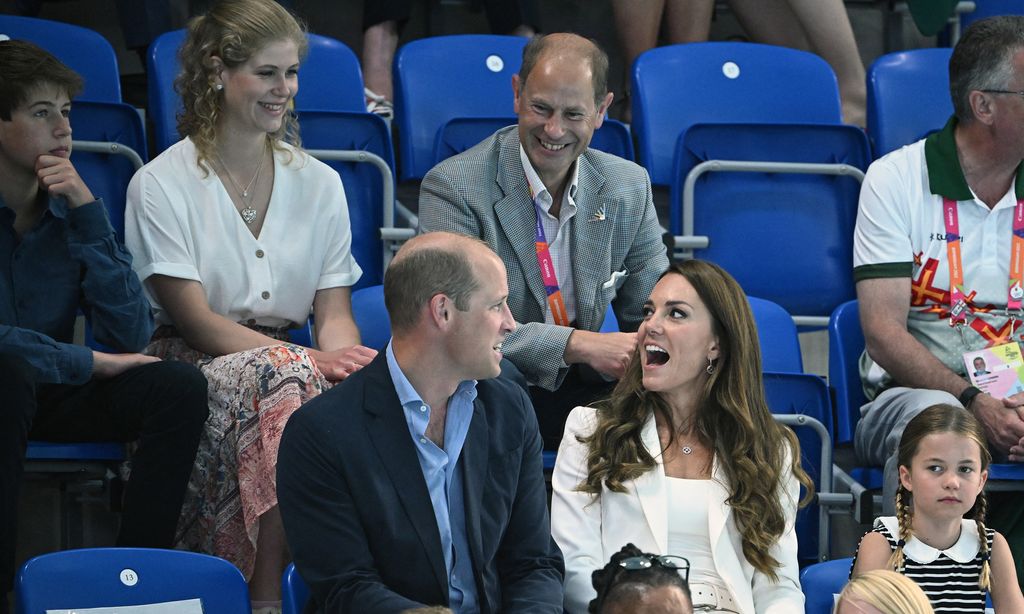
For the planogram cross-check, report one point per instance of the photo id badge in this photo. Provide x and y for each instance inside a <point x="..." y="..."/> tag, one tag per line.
<point x="997" y="370"/>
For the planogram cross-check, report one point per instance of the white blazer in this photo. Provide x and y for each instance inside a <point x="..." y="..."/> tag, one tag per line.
<point x="590" y="530"/>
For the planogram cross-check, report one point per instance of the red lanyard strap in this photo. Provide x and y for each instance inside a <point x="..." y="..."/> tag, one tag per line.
<point x="958" y="307"/>
<point x="547" y="272"/>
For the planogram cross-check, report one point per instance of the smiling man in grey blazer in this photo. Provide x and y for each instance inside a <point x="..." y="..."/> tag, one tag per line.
<point x="545" y="202"/>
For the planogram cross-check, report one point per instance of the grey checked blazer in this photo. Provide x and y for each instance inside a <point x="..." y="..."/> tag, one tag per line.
<point x="617" y="250"/>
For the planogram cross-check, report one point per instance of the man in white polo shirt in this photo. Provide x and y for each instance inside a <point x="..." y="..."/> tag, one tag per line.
<point x="951" y="198"/>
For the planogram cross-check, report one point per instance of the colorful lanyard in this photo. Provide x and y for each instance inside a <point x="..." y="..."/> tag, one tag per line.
<point x="547" y="269"/>
<point x="547" y="272"/>
<point x="957" y="297"/>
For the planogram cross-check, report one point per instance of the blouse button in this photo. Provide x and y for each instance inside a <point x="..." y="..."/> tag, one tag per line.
<point x="259" y="253"/>
<point x="265" y="295"/>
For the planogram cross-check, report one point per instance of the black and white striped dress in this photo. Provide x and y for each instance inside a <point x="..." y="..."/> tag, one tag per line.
<point x="949" y="577"/>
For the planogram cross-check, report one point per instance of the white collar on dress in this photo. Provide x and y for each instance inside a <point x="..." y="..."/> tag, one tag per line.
<point x="963" y="551"/>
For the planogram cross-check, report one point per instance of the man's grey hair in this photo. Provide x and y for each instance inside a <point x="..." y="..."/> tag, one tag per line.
<point x="983" y="60"/>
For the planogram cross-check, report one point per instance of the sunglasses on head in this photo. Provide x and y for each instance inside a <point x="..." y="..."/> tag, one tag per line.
<point x="646" y="561"/>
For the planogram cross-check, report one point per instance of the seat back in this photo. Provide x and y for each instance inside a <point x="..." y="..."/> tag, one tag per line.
<point x="459" y="134"/>
<point x="991" y="8"/>
<point x="804" y="221"/>
<point x="845" y="345"/>
<point x="908" y="97"/>
<point x="444" y="77"/>
<point x="677" y="86"/>
<point x="112" y="577"/>
<point x="363" y="182"/>
<point x="294" y="592"/>
<point x="107" y="174"/>
<point x="821" y="582"/>
<point x="83" y="50"/>
<point x="777" y="334"/>
<point x="329" y="78"/>
<point x="371" y="317"/>
<point x="162" y="68"/>
<point x="615" y="138"/>
<point x="806" y="394"/>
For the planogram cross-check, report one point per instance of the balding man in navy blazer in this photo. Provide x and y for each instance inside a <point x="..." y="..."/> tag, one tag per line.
<point x="418" y="480"/>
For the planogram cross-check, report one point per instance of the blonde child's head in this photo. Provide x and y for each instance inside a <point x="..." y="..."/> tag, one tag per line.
<point x="884" y="592"/>
<point x="939" y="420"/>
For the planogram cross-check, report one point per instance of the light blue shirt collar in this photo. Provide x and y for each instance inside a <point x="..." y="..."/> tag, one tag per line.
<point x="443" y="480"/>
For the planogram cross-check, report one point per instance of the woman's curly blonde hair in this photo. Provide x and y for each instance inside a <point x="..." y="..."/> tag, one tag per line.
<point x="233" y="30"/>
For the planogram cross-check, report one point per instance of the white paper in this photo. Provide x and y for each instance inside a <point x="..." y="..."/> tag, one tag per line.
<point x="188" y="606"/>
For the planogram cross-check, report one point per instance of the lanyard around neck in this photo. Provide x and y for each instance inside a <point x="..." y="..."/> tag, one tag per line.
<point x="547" y="269"/>
<point x="957" y="295"/>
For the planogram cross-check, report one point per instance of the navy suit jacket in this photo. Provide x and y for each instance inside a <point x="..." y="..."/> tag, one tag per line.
<point x="358" y="516"/>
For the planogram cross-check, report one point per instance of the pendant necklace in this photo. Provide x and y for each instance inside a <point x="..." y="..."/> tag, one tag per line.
<point x="248" y="213"/>
<point x="684" y="447"/>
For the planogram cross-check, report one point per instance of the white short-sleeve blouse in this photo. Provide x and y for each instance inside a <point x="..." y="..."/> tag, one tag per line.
<point x="181" y="224"/>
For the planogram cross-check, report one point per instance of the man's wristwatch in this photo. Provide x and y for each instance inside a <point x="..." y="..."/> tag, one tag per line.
<point x="967" y="396"/>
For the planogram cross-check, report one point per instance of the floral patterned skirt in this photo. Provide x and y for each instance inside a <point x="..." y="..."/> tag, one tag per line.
<point x="252" y="394"/>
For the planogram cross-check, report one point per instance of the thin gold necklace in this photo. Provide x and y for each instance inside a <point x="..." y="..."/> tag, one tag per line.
<point x="248" y="213"/>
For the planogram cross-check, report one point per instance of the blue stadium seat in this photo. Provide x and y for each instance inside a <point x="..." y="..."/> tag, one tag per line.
<point x="109" y="146"/>
<point x="476" y="81"/>
<point x="777" y="334"/>
<point x="743" y="195"/>
<point x="164" y="103"/>
<point x="676" y="86"/>
<point x="908" y="97"/>
<point x="371" y="317"/>
<point x="84" y="51"/>
<point x="112" y="577"/>
<point x="804" y="398"/>
<point x="294" y="592"/>
<point x="991" y="8"/>
<point x="367" y="186"/>
<point x="845" y="344"/>
<point x="821" y="582"/>
<point x="329" y="80"/>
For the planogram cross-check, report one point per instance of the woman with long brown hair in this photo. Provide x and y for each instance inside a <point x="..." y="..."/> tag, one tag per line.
<point x="685" y="457"/>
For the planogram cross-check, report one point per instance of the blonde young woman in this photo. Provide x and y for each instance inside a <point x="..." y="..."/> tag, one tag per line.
<point x="237" y="235"/>
<point x="685" y="457"/>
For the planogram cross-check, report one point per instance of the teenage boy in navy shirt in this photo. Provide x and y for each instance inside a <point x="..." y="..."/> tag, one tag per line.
<point x="58" y="256"/>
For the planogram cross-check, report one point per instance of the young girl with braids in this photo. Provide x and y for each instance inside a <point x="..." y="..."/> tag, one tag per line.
<point x="938" y="537"/>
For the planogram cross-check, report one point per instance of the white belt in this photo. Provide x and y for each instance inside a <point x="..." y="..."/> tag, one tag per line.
<point x="712" y="598"/>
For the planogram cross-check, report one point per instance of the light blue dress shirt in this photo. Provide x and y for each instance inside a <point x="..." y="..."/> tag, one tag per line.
<point x="444" y="482"/>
